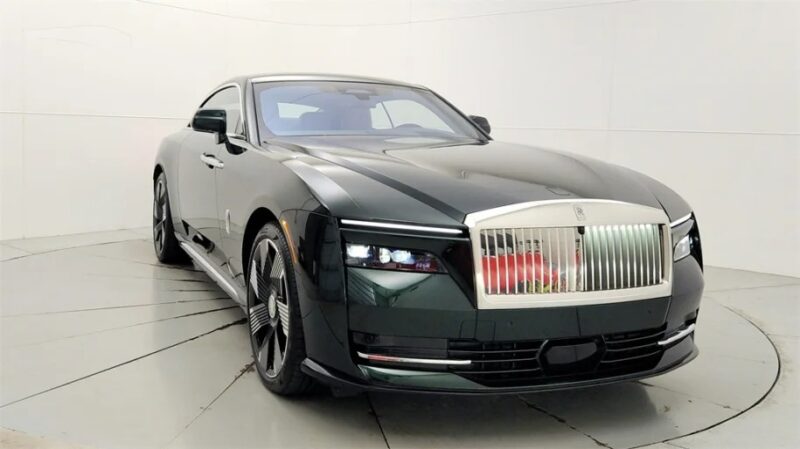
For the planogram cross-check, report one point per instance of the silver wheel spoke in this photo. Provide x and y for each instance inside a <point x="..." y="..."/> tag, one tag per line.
<point x="283" y="312"/>
<point x="263" y="353"/>
<point x="277" y="267"/>
<point x="259" y="317"/>
<point x="253" y="278"/>
<point x="277" y="355"/>
<point x="262" y="253"/>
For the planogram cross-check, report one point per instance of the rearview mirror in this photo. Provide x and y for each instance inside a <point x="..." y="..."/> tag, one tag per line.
<point x="211" y="121"/>
<point x="482" y="123"/>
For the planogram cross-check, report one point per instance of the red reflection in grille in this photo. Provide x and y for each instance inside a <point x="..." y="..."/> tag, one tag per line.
<point x="522" y="273"/>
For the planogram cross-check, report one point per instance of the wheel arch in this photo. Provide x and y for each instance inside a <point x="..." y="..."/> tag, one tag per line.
<point x="157" y="170"/>
<point x="257" y="220"/>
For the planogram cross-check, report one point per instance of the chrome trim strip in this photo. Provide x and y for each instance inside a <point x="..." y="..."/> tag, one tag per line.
<point x="472" y="219"/>
<point x="208" y="268"/>
<point x="393" y="359"/>
<point x="681" y="220"/>
<point x="678" y="336"/>
<point x="402" y="227"/>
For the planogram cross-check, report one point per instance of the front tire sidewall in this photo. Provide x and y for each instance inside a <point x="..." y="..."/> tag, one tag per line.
<point x="290" y="379"/>
<point x="170" y="251"/>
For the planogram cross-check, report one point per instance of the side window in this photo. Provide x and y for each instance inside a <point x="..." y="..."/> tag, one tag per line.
<point x="228" y="99"/>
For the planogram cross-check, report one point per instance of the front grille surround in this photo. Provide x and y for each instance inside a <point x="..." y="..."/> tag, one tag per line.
<point x="570" y="253"/>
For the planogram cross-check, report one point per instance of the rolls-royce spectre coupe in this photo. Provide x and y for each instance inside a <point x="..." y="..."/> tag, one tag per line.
<point x="377" y="238"/>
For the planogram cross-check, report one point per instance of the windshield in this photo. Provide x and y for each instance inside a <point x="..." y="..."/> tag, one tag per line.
<point x="329" y="108"/>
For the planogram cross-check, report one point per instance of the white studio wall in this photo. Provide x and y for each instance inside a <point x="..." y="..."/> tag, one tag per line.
<point x="704" y="95"/>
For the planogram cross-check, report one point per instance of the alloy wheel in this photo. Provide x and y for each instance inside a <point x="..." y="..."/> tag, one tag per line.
<point x="268" y="308"/>
<point x="159" y="215"/>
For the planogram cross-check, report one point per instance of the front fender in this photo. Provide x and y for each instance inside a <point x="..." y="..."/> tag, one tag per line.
<point x="167" y="160"/>
<point x="319" y="271"/>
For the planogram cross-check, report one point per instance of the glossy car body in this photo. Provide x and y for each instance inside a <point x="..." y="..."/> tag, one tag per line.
<point x="331" y="191"/>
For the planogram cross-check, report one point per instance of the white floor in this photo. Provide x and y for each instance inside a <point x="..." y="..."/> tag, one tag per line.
<point x="103" y="347"/>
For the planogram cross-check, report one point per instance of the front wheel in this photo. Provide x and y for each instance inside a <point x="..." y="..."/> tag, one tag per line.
<point x="276" y="330"/>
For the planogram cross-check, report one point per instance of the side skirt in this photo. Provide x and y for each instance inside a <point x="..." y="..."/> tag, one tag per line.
<point x="196" y="252"/>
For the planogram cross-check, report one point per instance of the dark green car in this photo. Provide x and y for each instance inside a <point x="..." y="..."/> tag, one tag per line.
<point x="378" y="238"/>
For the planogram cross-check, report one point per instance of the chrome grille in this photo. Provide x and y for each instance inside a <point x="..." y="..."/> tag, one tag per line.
<point x="547" y="260"/>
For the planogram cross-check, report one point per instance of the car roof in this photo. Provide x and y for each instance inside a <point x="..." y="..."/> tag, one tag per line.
<point x="266" y="77"/>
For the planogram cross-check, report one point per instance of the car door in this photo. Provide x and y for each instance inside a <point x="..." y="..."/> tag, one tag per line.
<point x="232" y="203"/>
<point x="197" y="171"/>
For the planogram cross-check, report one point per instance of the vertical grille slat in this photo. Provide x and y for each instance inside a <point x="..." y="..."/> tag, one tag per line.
<point x="643" y="245"/>
<point x="541" y="263"/>
<point x="613" y="257"/>
<point x="590" y="233"/>
<point x="485" y="253"/>
<point x="524" y="263"/>
<point x="549" y="261"/>
<point x="496" y="261"/>
<point x="657" y="239"/>
<point x="654" y="266"/>
<point x="626" y="231"/>
<point x="619" y="240"/>
<point x="553" y="260"/>
<point x="608" y="263"/>
<point x="558" y="259"/>
<point x="645" y="257"/>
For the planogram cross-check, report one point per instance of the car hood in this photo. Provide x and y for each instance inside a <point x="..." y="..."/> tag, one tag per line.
<point x="458" y="179"/>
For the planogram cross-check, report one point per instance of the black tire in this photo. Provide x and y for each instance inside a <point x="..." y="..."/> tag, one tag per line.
<point x="273" y="311"/>
<point x="166" y="245"/>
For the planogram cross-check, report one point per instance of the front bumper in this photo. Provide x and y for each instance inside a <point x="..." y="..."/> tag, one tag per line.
<point x="412" y="381"/>
<point x="511" y="350"/>
<point x="340" y="305"/>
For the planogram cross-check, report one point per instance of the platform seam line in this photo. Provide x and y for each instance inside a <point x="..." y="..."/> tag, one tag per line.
<point x="142" y="323"/>
<point x="248" y="367"/>
<point x="33" y="395"/>
<point x="55" y="250"/>
<point x="377" y="420"/>
<point x="127" y="306"/>
<point x="564" y="421"/>
<point x="755" y="404"/>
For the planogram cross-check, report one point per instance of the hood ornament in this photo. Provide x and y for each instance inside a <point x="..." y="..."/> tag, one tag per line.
<point x="579" y="212"/>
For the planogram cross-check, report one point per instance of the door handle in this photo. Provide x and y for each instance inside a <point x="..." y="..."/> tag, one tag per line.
<point x="211" y="161"/>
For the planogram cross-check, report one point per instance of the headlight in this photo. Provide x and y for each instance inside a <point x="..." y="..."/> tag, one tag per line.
<point x="683" y="248"/>
<point x="685" y="241"/>
<point x="385" y="258"/>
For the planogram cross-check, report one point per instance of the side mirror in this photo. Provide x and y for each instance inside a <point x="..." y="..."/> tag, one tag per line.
<point x="211" y="121"/>
<point x="482" y="123"/>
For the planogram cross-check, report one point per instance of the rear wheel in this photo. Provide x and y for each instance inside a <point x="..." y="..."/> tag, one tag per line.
<point x="165" y="243"/>
<point x="276" y="330"/>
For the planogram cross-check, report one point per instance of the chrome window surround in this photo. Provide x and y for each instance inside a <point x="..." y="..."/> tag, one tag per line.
<point x="567" y="213"/>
